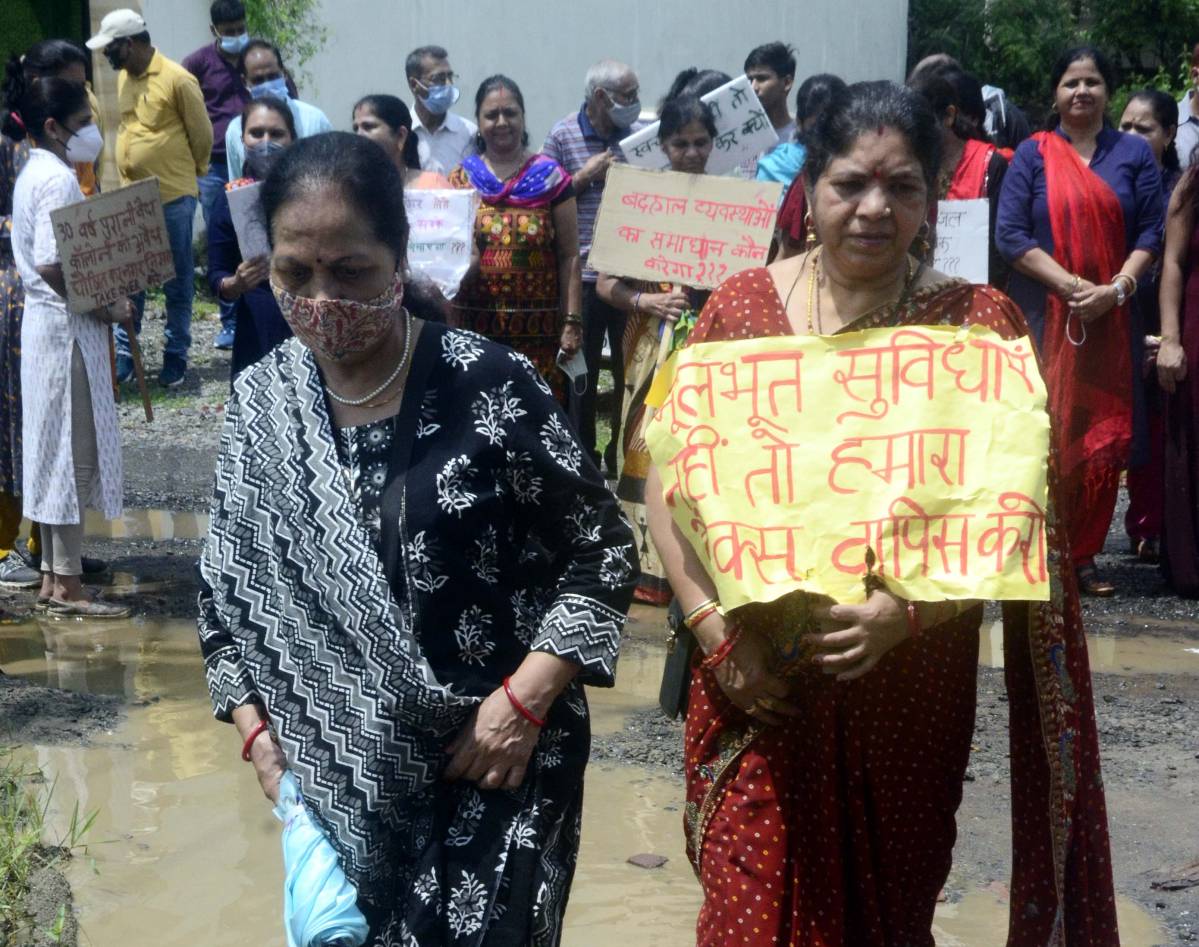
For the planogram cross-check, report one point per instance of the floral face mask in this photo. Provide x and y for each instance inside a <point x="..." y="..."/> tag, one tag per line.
<point x="337" y="328"/>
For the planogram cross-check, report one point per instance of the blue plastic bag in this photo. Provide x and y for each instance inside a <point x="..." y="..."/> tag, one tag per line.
<point x="320" y="907"/>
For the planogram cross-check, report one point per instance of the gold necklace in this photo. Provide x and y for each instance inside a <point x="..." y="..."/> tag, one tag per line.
<point x="814" y="297"/>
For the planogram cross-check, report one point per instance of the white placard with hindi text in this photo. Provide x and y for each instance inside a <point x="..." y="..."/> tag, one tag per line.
<point x="964" y="239"/>
<point x="441" y="233"/>
<point x="247" y="220"/>
<point x="742" y="131"/>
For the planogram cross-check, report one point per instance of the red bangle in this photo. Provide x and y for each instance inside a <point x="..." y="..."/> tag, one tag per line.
<point x="716" y="658"/>
<point x="704" y="611"/>
<point x="254" y="734"/>
<point x="521" y="708"/>
<point x="913" y="621"/>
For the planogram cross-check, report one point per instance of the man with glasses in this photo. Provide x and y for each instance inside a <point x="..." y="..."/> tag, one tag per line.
<point x="586" y="143"/>
<point x="443" y="138"/>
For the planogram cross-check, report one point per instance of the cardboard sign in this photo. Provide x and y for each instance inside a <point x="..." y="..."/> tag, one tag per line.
<point x="742" y="131"/>
<point x="113" y="245"/>
<point x="442" y="231"/>
<point x="784" y="459"/>
<point x="691" y="229"/>
<point x="248" y="222"/>
<point x="964" y="239"/>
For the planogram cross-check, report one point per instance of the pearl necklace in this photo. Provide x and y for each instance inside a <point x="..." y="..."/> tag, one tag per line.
<point x="359" y="402"/>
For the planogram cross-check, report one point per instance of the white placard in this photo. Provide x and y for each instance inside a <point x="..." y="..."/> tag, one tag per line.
<point x="742" y="131"/>
<point x="964" y="239"/>
<point x="441" y="232"/>
<point x="247" y="220"/>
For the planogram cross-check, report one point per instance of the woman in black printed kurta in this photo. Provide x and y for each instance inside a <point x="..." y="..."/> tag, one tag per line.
<point x="373" y="575"/>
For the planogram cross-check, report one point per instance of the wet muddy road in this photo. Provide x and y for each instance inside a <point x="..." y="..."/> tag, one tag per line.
<point x="183" y="831"/>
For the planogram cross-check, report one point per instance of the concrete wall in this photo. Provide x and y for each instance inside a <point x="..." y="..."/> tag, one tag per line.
<point x="547" y="48"/>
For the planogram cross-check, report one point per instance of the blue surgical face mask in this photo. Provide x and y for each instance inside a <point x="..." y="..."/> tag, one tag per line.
<point x="439" y="99"/>
<point x="234" y="44"/>
<point x="272" y="87"/>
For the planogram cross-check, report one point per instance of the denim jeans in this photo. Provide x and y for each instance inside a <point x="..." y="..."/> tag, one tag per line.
<point x="211" y="186"/>
<point x="178" y="291"/>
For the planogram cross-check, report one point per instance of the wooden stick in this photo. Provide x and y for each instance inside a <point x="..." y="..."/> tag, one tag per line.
<point x="136" y="351"/>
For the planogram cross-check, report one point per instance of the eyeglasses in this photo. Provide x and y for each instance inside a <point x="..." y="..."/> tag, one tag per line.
<point x="623" y="98"/>
<point x="440" y="78"/>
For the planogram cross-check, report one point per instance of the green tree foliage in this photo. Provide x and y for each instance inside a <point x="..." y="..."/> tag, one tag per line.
<point x="1013" y="43"/>
<point x="292" y="25"/>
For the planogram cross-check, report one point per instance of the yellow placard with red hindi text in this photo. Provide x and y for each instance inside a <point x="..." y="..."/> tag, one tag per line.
<point x="784" y="458"/>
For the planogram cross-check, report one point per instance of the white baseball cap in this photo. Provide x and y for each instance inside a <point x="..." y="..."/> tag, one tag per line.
<point x="117" y="25"/>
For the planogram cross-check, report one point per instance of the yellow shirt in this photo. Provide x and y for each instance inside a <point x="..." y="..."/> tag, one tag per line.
<point x="165" y="131"/>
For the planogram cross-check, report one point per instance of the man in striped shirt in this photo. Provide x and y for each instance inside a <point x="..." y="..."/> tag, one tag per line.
<point x="586" y="143"/>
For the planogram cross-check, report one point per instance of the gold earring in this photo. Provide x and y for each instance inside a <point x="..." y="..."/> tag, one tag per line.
<point x="922" y="240"/>
<point x="809" y="225"/>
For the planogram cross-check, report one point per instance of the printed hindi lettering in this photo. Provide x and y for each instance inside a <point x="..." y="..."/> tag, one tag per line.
<point x="733" y="547"/>
<point x="1003" y="540"/>
<point x="906" y="349"/>
<point x="993" y="363"/>
<point x="780" y="470"/>
<point x="629" y="234"/>
<point x="696" y="459"/>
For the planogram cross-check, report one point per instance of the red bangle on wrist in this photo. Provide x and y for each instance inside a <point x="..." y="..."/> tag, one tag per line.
<point x="913" y="621"/>
<point x="716" y="658"/>
<point x="262" y="726"/>
<point x="521" y="708"/>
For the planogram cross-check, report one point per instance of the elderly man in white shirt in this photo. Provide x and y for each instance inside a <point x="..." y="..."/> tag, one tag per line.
<point x="443" y="138"/>
<point x="1187" y="139"/>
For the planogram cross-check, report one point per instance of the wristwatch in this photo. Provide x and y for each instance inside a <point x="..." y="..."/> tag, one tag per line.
<point x="1120" y="294"/>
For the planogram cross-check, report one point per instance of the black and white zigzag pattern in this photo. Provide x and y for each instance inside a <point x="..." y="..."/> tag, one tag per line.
<point x="301" y="615"/>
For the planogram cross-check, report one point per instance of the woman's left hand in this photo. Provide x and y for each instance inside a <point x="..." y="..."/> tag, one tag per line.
<point x="1091" y="301"/>
<point x="494" y="746"/>
<point x="870" y="631"/>
<point x="572" y="338"/>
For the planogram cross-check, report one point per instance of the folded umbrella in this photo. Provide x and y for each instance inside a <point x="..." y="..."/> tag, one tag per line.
<point x="320" y="906"/>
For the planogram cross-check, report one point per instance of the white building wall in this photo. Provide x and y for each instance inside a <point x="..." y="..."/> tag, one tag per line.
<point x="547" y="47"/>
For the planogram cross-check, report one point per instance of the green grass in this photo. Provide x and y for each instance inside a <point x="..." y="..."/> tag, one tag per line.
<point x="24" y="803"/>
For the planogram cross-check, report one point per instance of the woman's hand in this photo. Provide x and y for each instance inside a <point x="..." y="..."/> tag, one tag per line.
<point x="248" y="275"/>
<point x="269" y="764"/>
<point x="1089" y="302"/>
<point x="869" y="631"/>
<point x="1171" y="364"/>
<point x="494" y="746"/>
<point x="572" y="338"/>
<point x="668" y="306"/>
<point x="746" y="679"/>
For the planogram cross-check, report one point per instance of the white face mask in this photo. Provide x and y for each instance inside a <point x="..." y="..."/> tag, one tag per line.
<point x="85" y="145"/>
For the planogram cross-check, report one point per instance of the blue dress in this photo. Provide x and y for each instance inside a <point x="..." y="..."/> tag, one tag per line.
<point x="1123" y="161"/>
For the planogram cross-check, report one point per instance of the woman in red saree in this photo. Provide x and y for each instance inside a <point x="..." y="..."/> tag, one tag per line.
<point x="1080" y="221"/>
<point x="821" y="800"/>
<point x="971" y="167"/>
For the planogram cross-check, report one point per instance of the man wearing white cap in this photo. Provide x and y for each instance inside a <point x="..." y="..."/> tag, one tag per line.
<point x="164" y="133"/>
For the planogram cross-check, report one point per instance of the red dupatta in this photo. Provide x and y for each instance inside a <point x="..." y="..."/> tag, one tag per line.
<point x="970" y="176"/>
<point x="1090" y="385"/>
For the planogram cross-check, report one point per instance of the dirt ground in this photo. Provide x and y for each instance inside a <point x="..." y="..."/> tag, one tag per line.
<point x="1148" y="720"/>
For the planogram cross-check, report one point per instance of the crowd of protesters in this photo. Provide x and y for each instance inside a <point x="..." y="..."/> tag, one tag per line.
<point x="429" y="464"/>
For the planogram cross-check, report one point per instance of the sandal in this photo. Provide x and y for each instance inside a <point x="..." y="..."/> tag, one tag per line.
<point x="1091" y="583"/>
<point x="1147" y="551"/>
<point x="84" y="609"/>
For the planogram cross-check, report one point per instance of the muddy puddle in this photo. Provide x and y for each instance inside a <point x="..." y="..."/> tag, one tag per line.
<point x="184" y="850"/>
<point x="156" y="525"/>
<point x="1165" y="651"/>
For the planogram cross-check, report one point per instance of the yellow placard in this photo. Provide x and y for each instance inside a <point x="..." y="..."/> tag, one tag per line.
<point x="784" y="459"/>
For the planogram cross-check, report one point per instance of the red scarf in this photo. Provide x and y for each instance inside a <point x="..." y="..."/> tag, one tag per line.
<point x="1090" y="385"/>
<point x="970" y="176"/>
